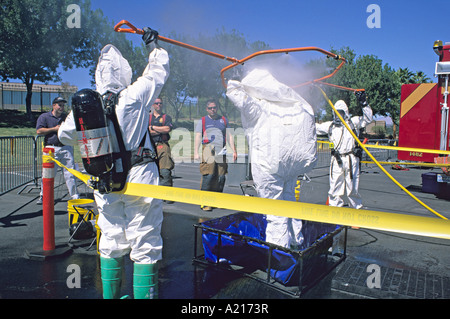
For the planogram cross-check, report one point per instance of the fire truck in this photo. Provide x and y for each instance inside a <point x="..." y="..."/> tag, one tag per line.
<point x="424" y="119"/>
<point x="424" y="113"/>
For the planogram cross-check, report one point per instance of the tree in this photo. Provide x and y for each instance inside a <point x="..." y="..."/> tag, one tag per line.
<point x="67" y="90"/>
<point x="420" y="77"/>
<point x="405" y="76"/>
<point x="183" y="68"/>
<point x="381" y="82"/>
<point x="36" y="39"/>
<point x="364" y="72"/>
<point x="194" y="75"/>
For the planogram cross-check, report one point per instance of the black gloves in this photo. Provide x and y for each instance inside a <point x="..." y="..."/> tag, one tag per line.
<point x="361" y="97"/>
<point x="149" y="35"/>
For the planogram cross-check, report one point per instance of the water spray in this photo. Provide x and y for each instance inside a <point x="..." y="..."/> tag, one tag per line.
<point x="235" y="62"/>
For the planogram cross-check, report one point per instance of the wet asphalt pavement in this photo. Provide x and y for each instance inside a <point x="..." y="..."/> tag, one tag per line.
<point x="412" y="267"/>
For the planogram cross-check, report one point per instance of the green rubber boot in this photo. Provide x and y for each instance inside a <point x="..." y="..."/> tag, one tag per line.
<point x="145" y="281"/>
<point x="111" y="272"/>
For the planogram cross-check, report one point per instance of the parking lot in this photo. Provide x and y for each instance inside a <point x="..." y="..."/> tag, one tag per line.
<point x="411" y="266"/>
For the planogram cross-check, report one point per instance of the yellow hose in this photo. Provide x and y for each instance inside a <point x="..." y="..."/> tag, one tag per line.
<point x="376" y="162"/>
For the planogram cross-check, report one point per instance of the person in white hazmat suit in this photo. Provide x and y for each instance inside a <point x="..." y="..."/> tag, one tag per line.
<point x="344" y="166"/>
<point x="280" y="128"/>
<point x="129" y="224"/>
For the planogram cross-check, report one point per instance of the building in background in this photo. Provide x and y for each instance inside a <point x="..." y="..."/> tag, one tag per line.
<point x="13" y="95"/>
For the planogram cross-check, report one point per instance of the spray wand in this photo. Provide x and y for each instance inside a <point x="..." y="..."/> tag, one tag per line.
<point x="132" y="29"/>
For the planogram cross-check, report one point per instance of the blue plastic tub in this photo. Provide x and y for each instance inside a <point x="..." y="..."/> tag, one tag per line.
<point x="239" y="239"/>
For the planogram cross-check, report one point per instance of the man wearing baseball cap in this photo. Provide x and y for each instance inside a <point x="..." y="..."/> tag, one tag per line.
<point x="48" y="124"/>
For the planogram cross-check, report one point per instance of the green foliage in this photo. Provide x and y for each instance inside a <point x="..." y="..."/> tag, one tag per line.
<point x="380" y="131"/>
<point x="363" y="72"/>
<point x="196" y="76"/>
<point x="33" y="51"/>
<point x="16" y="123"/>
<point x="36" y="40"/>
<point x="381" y="83"/>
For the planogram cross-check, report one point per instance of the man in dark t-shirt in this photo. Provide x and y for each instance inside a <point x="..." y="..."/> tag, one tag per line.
<point x="48" y="124"/>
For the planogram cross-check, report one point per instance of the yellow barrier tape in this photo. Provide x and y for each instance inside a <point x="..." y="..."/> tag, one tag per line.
<point x="48" y="158"/>
<point x="408" y="149"/>
<point x="401" y="149"/>
<point x="331" y="145"/>
<point x="409" y="224"/>
<point x="399" y="223"/>
<point x="408" y="163"/>
<point x="363" y="146"/>
<point x="85" y="178"/>
<point x="398" y="148"/>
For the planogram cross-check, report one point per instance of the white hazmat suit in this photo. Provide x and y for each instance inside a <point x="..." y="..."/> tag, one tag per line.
<point x="129" y="222"/>
<point x="344" y="173"/>
<point x="279" y="125"/>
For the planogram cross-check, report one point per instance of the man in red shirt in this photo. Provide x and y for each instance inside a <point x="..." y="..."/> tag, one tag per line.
<point x="212" y="133"/>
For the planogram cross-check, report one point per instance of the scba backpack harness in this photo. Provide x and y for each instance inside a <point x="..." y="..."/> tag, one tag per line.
<point x="123" y="160"/>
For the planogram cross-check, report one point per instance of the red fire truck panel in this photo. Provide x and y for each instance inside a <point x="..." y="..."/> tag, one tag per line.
<point x="419" y="121"/>
<point x="423" y="110"/>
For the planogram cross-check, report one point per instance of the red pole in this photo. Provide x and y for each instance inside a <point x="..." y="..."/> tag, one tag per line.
<point x="48" y="196"/>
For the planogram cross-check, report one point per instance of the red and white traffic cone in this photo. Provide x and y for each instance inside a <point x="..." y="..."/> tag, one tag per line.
<point x="48" y="211"/>
<point x="48" y="200"/>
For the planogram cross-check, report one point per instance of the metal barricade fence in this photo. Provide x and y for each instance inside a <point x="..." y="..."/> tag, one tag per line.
<point x="323" y="155"/>
<point x="21" y="160"/>
<point x="382" y="155"/>
<point x="19" y="163"/>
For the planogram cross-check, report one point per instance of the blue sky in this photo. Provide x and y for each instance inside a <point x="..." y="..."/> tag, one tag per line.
<point x="405" y="38"/>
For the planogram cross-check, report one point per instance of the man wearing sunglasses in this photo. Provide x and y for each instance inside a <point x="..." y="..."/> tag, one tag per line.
<point x="211" y="132"/>
<point x="160" y="126"/>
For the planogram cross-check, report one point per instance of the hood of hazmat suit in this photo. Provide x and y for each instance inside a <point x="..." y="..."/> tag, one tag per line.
<point x="341" y="138"/>
<point x="123" y="218"/>
<point x="113" y="72"/>
<point x="340" y="105"/>
<point x="278" y="123"/>
<point x="342" y="109"/>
